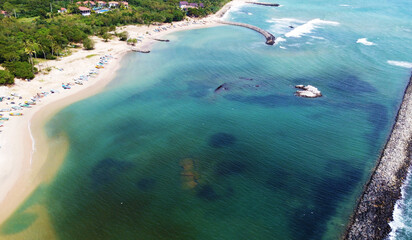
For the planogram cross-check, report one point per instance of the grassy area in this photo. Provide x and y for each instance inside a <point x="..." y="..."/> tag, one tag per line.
<point x="91" y="55"/>
<point x="39" y="60"/>
<point x="27" y="20"/>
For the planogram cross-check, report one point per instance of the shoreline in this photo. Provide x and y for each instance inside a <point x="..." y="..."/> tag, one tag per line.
<point x="23" y="148"/>
<point x="24" y="175"/>
<point x="374" y="210"/>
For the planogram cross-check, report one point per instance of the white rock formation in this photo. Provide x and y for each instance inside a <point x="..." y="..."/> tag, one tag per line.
<point x="308" y="91"/>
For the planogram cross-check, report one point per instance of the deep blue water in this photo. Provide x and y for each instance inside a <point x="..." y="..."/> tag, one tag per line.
<point x="161" y="155"/>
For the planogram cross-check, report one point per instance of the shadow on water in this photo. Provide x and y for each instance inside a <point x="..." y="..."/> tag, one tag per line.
<point x="220" y="140"/>
<point x="146" y="184"/>
<point x="376" y="114"/>
<point x="107" y="170"/>
<point x="197" y="90"/>
<point x="279" y="179"/>
<point x="112" y="207"/>
<point x="273" y="100"/>
<point x="310" y="222"/>
<point x="231" y="167"/>
<point x="351" y="84"/>
<point x="209" y="192"/>
<point x="379" y="118"/>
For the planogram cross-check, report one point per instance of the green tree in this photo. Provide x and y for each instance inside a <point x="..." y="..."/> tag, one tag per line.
<point x="22" y="70"/>
<point x="106" y="36"/>
<point x="132" y="41"/>
<point x="88" y="44"/>
<point x="29" y="50"/>
<point x="123" y="36"/>
<point x="6" y="77"/>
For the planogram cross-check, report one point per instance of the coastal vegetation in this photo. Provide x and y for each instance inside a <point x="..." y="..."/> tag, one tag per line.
<point x="88" y="44"/>
<point x="6" y="77"/>
<point x="34" y="29"/>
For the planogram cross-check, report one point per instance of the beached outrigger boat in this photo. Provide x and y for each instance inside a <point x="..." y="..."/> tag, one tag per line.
<point x="4" y="119"/>
<point x="30" y="103"/>
<point x="16" y="114"/>
<point x="66" y="86"/>
<point x="25" y="105"/>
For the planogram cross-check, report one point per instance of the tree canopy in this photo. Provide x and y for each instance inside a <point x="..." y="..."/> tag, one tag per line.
<point x="40" y="32"/>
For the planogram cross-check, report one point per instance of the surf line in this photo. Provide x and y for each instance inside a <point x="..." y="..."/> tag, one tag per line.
<point x="270" y="39"/>
<point x="33" y="148"/>
<point x="374" y="210"/>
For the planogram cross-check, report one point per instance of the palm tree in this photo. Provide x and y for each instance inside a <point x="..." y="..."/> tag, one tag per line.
<point x="28" y="49"/>
<point x="36" y="48"/>
<point x="49" y="37"/>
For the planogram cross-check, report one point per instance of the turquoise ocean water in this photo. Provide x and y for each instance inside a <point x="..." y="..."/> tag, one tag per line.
<point x="161" y="155"/>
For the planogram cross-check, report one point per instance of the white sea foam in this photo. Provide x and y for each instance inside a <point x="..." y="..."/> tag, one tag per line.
<point x="236" y="7"/>
<point x="365" y="41"/>
<point x="249" y="13"/>
<point x="282" y="47"/>
<point x="400" y="63"/>
<point x="280" y="39"/>
<point x="309" y="27"/>
<point x="282" y="25"/>
<point x="316" y="37"/>
<point x="398" y="220"/>
<point x="344" y="5"/>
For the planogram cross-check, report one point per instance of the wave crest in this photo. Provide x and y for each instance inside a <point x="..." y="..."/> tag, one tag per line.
<point x="400" y="63"/>
<point x="309" y="27"/>
<point x="365" y="41"/>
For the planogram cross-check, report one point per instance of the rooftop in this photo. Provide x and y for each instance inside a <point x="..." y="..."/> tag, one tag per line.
<point x="84" y="9"/>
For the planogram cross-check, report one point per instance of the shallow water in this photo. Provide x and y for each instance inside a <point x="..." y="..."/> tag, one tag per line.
<point x="161" y="155"/>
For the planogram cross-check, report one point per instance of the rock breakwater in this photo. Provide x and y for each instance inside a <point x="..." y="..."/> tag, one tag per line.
<point x="265" y="4"/>
<point x="270" y="39"/>
<point x="375" y="207"/>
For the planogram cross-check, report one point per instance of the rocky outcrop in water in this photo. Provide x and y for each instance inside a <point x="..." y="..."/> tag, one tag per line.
<point x="308" y="91"/>
<point x="375" y="207"/>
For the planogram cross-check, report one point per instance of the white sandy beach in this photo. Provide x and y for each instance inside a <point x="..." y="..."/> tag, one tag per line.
<point x="22" y="156"/>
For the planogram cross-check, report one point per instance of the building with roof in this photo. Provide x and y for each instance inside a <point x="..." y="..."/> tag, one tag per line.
<point x="89" y="3"/>
<point x="85" y="11"/>
<point x="125" y="4"/>
<point x="62" y="10"/>
<point x="101" y="4"/>
<point x="113" y="4"/>
<point x="185" y="5"/>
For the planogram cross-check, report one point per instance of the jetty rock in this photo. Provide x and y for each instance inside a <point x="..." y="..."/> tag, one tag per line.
<point x="308" y="91"/>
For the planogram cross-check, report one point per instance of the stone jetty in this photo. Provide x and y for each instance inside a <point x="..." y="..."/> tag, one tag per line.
<point x="140" y="51"/>
<point x="270" y="39"/>
<point x="161" y="40"/>
<point x="265" y="4"/>
<point x="375" y="207"/>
